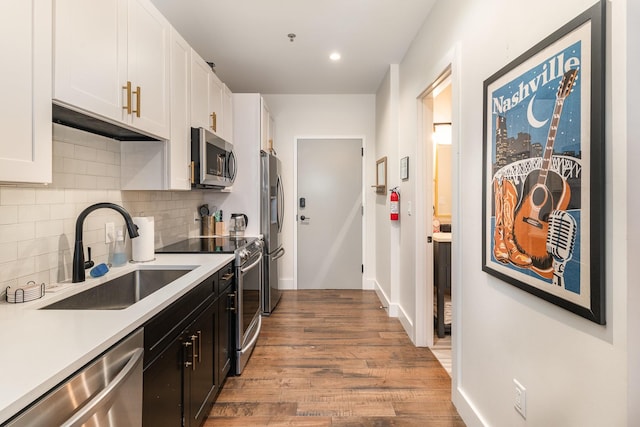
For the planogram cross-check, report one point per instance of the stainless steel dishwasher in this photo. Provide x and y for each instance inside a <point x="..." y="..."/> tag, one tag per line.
<point x="106" y="392"/>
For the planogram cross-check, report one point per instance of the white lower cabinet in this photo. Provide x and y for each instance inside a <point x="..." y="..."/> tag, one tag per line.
<point x="25" y="82"/>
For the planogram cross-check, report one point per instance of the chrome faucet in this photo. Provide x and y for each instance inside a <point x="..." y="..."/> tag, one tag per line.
<point x="78" y="250"/>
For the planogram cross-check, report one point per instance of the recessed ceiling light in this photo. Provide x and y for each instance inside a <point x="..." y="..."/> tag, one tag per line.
<point x="335" y="56"/>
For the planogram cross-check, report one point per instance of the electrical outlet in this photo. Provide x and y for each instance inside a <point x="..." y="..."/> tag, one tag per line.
<point x="109" y="232"/>
<point x="520" y="398"/>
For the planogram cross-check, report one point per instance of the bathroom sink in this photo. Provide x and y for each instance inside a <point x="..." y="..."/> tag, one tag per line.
<point x="119" y="293"/>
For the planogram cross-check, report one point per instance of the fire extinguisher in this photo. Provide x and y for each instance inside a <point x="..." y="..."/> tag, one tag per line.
<point x="395" y="204"/>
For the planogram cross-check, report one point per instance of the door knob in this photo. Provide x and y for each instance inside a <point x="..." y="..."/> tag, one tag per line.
<point x="302" y="217"/>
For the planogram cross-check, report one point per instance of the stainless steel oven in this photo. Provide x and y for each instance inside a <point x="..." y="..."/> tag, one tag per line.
<point x="248" y="309"/>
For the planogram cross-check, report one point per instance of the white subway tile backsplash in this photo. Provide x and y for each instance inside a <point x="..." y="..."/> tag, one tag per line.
<point x="17" y="232"/>
<point x="8" y="214"/>
<point x="13" y="269"/>
<point x="74" y="166"/>
<point x="63" y="149"/>
<point x="86" y="182"/>
<point x="63" y="180"/>
<point x="49" y="196"/>
<point x="33" y="213"/>
<point x="85" y="153"/>
<point x="34" y="247"/>
<point x="62" y="211"/>
<point x="8" y="252"/>
<point x="17" y="196"/>
<point x="49" y="228"/>
<point x="72" y="195"/>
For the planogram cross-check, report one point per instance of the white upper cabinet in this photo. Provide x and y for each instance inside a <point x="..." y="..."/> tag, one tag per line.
<point x="148" y="67"/>
<point x="111" y="60"/>
<point x="165" y="165"/>
<point x="25" y="81"/>
<point x="216" y="90"/>
<point x="207" y="97"/>
<point x="266" y="125"/>
<point x="227" y="111"/>
<point x="179" y="146"/>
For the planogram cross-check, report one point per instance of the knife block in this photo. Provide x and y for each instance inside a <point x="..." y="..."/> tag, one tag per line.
<point x="220" y="228"/>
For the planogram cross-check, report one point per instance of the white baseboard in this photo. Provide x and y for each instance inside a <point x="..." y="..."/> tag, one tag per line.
<point x="406" y="323"/>
<point x="285" y="284"/>
<point x="369" y="284"/>
<point x="466" y="408"/>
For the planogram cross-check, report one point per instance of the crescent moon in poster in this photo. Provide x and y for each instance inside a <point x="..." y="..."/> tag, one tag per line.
<point x="531" y="118"/>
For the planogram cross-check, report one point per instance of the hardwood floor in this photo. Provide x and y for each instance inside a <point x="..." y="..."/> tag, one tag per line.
<point x="334" y="358"/>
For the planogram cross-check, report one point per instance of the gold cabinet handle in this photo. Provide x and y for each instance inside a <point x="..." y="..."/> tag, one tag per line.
<point x="192" y="166"/>
<point x="199" y="346"/>
<point x="227" y="276"/>
<point x="127" y="107"/>
<point x="137" y="110"/>
<point x="213" y="121"/>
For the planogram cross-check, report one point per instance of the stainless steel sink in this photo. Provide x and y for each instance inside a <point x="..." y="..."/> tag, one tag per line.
<point x="119" y="293"/>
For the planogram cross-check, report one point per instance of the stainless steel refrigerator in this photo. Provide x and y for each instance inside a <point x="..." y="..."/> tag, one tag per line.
<point x="271" y="217"/>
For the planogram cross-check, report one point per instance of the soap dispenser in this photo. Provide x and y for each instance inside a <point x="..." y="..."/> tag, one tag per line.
<point x="119" y="251"/>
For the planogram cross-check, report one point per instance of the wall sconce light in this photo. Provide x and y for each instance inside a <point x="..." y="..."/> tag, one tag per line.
<point x="442" y="133"/>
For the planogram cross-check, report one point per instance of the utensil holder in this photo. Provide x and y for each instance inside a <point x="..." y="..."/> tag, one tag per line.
<point x="208" y="225"/>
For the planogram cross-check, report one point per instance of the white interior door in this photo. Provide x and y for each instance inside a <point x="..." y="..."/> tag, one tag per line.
<point x="329" y="219"/>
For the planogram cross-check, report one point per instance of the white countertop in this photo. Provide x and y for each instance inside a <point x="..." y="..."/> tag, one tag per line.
<point x="40" y="348"/>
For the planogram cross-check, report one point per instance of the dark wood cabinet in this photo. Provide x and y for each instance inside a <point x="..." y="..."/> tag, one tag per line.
<point x="187" y="354"/>
<point x="162" y="388"/>
<point x="442" y="283"/>
<point x="200" y="374"/>
<point x="226" y="306"/>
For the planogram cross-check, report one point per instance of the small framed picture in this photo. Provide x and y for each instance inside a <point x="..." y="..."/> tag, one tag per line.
<point x="404" y="168"/>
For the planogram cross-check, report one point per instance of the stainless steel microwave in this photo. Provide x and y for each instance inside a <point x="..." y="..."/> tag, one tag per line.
<point x="213" y="162"/>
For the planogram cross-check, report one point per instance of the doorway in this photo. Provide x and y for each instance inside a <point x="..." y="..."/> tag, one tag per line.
<point x="437" y="124"/>
<point x="329" y="213"/>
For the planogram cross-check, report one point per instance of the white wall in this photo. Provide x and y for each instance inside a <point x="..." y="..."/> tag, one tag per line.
<point x="386" y="141"/>
<point x="575" y="371"/>
<point x="633" y="194"/>
<point x="319" y="116"/>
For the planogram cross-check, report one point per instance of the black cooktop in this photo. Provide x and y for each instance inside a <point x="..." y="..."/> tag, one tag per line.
<point x="221" y="245"/>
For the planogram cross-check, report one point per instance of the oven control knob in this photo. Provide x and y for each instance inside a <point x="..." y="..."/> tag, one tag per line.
<point x="244" y="254"/>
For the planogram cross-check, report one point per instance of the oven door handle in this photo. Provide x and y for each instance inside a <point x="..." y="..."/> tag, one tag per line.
<point x="256" y="262"/>
<point x="250" y="344"/>
<point x="279" y="254"/>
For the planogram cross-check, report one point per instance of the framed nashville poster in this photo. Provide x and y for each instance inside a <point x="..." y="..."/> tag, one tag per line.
<point x="543" y="171"/>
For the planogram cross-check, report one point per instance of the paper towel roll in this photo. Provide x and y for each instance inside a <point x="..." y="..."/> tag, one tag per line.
<point x="142" y="246"/>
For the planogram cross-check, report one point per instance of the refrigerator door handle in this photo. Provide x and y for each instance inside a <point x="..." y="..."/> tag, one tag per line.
<point x="280" y="203"/>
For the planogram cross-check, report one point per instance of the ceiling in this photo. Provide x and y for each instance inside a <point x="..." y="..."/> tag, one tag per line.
<point x="247" y="40"/>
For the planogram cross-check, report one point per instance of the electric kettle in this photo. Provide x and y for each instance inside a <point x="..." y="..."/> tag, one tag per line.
<point x="237" y="224"/>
